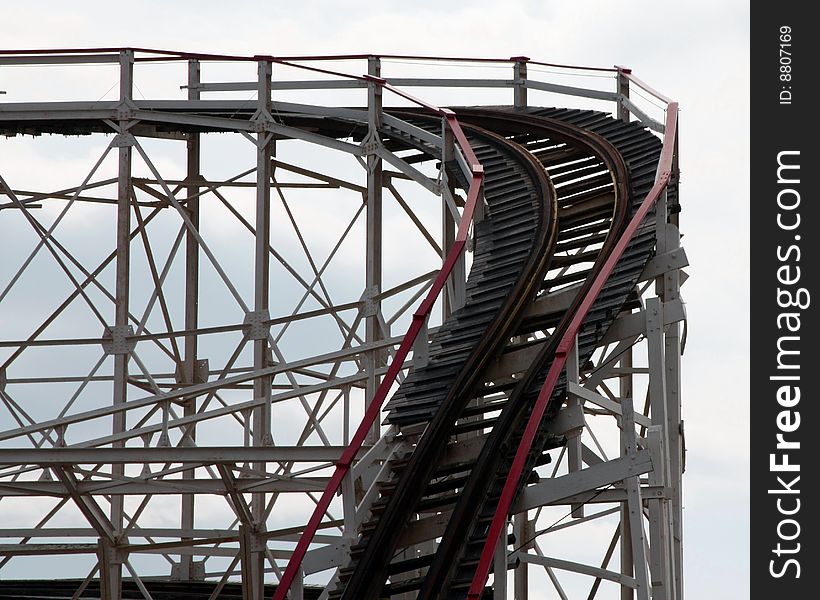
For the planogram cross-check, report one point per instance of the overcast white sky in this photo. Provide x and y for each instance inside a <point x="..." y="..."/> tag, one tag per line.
<point x="695" y="52"/>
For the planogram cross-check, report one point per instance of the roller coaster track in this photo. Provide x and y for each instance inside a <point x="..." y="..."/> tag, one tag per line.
<point x="633" y="152"/>
<point x="560" y="187"/>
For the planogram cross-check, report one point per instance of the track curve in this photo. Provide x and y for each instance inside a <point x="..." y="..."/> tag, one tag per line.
<point x="560" y="186"/>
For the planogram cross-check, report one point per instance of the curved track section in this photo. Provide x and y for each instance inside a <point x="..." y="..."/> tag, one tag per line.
<point x="452" y="569"/>
<point x="559" y="188"/>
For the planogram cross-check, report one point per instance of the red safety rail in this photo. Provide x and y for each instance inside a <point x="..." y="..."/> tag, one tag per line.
<point x="564" y="347"/>
<point x="419" y="317"/>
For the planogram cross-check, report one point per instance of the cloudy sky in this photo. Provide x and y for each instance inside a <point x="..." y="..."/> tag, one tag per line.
<point x="695" y="52"/>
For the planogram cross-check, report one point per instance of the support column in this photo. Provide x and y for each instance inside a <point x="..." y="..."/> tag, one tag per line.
<point x="261" y="348"/>
<point x="634" y="507"/>
<point x="520" y="81"/>
<point x="189" y="366"/>
<point x="500" y="567"/>
<point x="110" y="565"/>
<point x="523" y="532"/>
<point x="455" y="291"/>
<point x="252" y="549"/>
<point x="622" y="87"/>
<point x="113" y="567"/>
<point x="448" y="237"/>
<point x="659" y="517"/>
<point x="676" y="448"/>
<point x="627" y="560"/>
<point x="373" y="276"/>
<point x="253" y="586"/>
<point x="574" y="447"/>
<point x="668" y="289"/>
<point x="297" y="589"/>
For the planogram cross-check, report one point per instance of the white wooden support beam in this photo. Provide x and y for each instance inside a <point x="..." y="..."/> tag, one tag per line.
<point x="668" y="284"/>
<point x="110" y="564"/>
<point x="190" y="361"/>
<point x="167" y="486"/>
<point x="326" y="557"/>
<point x="573" y="490"/>
<point x="457" y="282"/>
<point x="622" y="89"/>
<point x="575" y="567"/>
<point x="189" y="455"/>
<point x="455" y="293"/>
<point x="572" y="90"/>
<point x="605" y="366"/>
<point x="584" y="482"/>
<point x="253" y="559"/>
<point x="659" y="542"/>
<point x="640" y="115"/>
<point x="634" y="505"/>
<point x="657" y="375"/>
<point x="373" y="232"/>
<point x="261" y="350"/>
<point x="121" y="316"/>
<point x="448" y="219"/>
<point x="523" y="530"/>
<point x="240" y="507"/>
<point x="421" y="347"/>
<point x="297" y="588"/>
<point x="665" y="262"/>
<point x="412" y="173"/>
<point x="349" y="504"/>
<point x="575" y="460"/>
<point x="632" y="324"/>
<point x="615" y="408"/>
<point x="95" y="516"/>
<point x="500" y="567"/>
<point x="627" y="435"/>
<point x="520" y="82"/>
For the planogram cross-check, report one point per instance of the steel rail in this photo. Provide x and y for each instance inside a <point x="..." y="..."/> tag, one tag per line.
<point x="564" y="346"/>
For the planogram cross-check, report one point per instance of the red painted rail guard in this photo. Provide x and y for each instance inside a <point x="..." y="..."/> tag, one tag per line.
<point x="564" y="346"/>
<point x="419" y="317"/>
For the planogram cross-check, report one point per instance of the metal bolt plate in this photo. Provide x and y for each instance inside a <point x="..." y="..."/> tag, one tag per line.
<point x="115" y="339"/>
